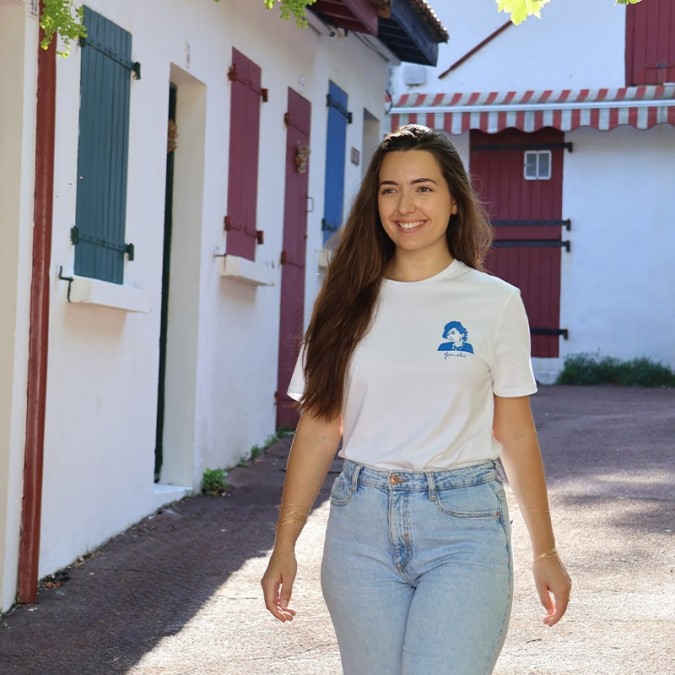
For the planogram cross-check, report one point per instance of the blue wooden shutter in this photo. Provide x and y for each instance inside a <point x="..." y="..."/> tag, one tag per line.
<point x="242" y="186"/>
<point x="336" y="144"/>
<point x="103" y="148"/>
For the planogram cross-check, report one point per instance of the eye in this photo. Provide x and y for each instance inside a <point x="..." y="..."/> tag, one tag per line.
<point x="425" y="188"/>
<point x="387" y="191"/>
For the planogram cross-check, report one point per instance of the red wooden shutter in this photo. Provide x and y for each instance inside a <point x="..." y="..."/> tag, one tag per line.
<point x="650" y="42"/>
<point x="242" y="185"/>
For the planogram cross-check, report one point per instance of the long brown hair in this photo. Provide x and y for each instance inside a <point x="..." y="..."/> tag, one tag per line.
<point x="346" y="303"/>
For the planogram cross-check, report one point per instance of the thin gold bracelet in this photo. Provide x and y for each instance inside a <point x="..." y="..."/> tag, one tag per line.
<point x="291" y="517"/>
<point x="547" y="554"/>
<point x="278" y="556"/>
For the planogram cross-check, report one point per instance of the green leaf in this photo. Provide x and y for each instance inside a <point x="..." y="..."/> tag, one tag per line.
<point x="521" y="9"/>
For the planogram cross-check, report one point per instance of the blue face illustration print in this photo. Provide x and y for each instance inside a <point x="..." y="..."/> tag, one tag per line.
<point x="457" y="338"/>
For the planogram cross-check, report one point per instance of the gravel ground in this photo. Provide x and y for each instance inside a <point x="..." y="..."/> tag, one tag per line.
<point x="179" y="593"/>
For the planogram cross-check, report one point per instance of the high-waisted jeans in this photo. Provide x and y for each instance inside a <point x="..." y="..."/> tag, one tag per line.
<point x="417" y="570"/>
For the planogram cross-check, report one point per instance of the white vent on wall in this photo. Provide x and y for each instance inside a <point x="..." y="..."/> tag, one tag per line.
<point x="414" y="75"/>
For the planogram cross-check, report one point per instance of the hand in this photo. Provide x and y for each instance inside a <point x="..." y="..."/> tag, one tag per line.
<point x="554" y="586"/>
<point x="277" y="584"/>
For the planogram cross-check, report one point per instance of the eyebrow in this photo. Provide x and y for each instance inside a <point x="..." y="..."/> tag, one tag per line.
<point x="414" y="182"/>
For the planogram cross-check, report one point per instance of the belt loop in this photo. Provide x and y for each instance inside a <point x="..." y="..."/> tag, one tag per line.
<point x="355" y="476"/>
<point x="431" y="484"/>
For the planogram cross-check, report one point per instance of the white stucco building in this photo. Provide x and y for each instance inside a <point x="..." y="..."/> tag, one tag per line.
<point x="165" y="202"/>
<point x="567" y="123"/>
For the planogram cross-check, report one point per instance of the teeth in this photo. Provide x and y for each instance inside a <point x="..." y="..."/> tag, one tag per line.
<point x="410" y="226"/>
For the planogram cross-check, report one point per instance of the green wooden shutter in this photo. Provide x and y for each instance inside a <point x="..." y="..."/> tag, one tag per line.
<point x="103" y="149"/>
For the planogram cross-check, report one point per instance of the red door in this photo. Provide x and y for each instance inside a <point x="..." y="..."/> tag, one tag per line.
<point x="293" y="251"/>
<point x="519" y="178"/>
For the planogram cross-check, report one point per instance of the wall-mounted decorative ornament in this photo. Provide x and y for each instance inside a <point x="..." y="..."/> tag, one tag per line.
<point x="301" y="157"/>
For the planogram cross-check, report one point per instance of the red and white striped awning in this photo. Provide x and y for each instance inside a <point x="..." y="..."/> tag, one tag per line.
<point x="566" y="110"/>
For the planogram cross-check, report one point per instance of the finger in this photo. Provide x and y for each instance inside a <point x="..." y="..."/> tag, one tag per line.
<point x="285" y="595"/>
<point x="561" y="604"/>
<point x="273" y="600"/>
<point x="546" y="599"/>
<point x="271" y="595"/>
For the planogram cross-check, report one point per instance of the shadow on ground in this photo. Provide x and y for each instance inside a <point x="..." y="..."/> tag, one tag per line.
<point x="147" y="583"/>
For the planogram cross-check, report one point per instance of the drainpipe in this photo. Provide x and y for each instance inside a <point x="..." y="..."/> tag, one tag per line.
<point x="29" y="546"/>
<point x="475" y="49"/>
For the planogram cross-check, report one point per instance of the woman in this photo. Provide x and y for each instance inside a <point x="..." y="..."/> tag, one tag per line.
<point x="417" y="569"/>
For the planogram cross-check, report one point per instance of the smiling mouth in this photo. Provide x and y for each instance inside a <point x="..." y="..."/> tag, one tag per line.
<point x="409" y="227"/>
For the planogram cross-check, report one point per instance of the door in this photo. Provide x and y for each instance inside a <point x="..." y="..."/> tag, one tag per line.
<point x="519" y="178"/>
<point x="291" y="322"/>
<point x="166" y="260"/>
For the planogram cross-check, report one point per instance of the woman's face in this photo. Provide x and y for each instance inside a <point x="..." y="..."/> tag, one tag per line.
<point x="414" y="203"/>
<point x="454" y="335"/>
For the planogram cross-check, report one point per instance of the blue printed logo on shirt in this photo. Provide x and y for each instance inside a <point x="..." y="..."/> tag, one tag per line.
<point x="457" y="338"/>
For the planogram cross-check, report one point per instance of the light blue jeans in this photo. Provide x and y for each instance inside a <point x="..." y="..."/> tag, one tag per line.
<point x="417" y="570"/>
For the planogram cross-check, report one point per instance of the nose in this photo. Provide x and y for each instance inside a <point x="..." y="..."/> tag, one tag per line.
<point x="406" y="203"/>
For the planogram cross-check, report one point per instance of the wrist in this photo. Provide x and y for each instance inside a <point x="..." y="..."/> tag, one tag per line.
<point x="549" y="553"/>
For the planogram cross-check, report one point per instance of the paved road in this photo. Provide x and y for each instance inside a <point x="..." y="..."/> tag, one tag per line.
<point x="178" y="593"/>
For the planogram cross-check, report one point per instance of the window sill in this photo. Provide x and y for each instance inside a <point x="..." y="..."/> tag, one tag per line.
<point x="105" y="294"/>
<point x="247" y="271"/>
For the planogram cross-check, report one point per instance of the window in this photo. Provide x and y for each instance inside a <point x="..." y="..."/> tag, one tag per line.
<point x="537" y="165"/>
<point x="102" y="152"/>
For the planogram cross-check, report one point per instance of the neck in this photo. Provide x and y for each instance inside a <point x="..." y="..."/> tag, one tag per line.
<point x="416" y="268"/>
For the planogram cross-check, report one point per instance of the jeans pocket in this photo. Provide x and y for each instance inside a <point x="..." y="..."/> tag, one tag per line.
<point x="341" y="492"/>
<point x="471" y="501"/>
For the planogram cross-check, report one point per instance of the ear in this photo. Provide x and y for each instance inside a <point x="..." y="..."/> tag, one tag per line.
<point x="453" y="210"/>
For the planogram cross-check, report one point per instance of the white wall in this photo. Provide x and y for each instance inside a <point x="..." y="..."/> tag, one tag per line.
<point x="616" y="184"/>
<point x="18" y="46"/>
<point x="223" y="334"/>
<point x="618" y="282"/>
<point x="575" y="44"/>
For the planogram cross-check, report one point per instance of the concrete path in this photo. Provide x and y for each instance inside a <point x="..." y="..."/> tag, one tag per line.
<point x="179" y="593"/>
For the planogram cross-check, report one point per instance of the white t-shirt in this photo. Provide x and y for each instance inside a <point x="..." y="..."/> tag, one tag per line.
<point x="419" y="391"/>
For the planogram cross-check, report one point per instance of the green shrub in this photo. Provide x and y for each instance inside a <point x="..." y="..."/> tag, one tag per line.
<point x="214" y="482"/>
<point x="639" y="372"/>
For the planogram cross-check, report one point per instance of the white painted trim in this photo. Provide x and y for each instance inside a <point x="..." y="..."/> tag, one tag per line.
<point x="105" y="294"/>
<point x="245" y="270"/>
<point x="531" y="107"/>
<point x="164" y="494"/>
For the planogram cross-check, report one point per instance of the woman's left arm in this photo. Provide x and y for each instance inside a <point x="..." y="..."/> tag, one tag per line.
<point x="514" y="428"/>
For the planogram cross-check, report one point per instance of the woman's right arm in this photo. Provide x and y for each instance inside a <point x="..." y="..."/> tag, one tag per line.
<point x="314" y="446"/>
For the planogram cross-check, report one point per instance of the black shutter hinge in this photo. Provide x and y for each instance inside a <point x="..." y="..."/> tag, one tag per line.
<point x="332" y="103"/>
<point x="76" y="237"/>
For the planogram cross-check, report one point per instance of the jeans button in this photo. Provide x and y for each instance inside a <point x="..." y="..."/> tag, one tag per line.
<point x="394" y="479"/>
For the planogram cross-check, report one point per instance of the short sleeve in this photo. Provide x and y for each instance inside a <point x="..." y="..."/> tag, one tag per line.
<point x="512" y="367"/>
<point x="296" y="387"/>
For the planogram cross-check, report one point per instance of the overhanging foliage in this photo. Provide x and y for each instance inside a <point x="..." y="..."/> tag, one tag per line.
<point x="63" y="18"/>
